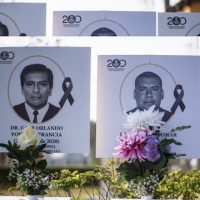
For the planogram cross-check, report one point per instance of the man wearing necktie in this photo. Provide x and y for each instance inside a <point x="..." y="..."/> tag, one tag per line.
<point x="37" y="84"/>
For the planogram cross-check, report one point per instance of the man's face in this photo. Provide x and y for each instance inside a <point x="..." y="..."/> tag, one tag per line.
<point x="36" y="89"/>
<point x="148" y="92"/>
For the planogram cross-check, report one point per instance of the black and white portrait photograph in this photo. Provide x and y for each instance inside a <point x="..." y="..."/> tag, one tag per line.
<point x="107" y="26"/>
<point x="49" y="90"/>
<point x="36" y="86"/>
<point x="139" y="83"/>
<point x="18" y="19"/>
<point x="149" y="84"/>
<point x="149" y="92"/>
<point x="103" y="31"/>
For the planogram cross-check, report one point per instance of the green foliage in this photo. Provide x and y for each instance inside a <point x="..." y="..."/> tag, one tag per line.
<point x="111" y="183"/>
<point x="180" y="128"/>
<point x="116" y="185"/>
<point x="26" y="158"/>
<point x="172" y="185"/>
<point x="179" y="183"/>
<point x="138" y="170"/>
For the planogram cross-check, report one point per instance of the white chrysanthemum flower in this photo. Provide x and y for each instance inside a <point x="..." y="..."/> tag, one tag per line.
<point x="144" y="119"/>
<point x="27" y="138"/>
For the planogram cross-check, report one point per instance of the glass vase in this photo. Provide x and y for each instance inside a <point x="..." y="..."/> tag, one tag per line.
<point x="35" y="197"/>
<point x="148" y="197"/>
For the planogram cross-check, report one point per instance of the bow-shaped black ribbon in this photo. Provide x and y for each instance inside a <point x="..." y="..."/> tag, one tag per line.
<point x="178" y="94"/>
<point x="67" y="88"/>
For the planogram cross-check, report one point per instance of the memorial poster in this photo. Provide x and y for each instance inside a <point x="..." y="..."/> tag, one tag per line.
<point x="46" y="88"/>
<point x="104" y="23"/>
<point x="130" y="82"/>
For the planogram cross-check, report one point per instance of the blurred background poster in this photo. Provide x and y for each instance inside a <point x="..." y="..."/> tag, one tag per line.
<point x="104" y="23"/>
<point x="19" y="19"/>
<point x="179" y="24"/>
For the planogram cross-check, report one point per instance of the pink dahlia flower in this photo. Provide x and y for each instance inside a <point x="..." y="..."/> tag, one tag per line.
<point x="131" y="144"/>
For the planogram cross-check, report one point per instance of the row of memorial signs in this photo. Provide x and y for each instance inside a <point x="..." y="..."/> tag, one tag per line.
<point x="31" y="21"/>
<point x="54" y="82"/>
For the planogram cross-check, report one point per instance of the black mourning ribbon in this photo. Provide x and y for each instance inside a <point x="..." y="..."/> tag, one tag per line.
<point x="67" y="88"/>
<point x="178" y="94"/>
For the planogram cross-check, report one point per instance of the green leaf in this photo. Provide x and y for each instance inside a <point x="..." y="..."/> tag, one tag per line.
<point x="42" y="164"/>
<point x="180" y="128"/>
<point x="161" y="163"/>
<point x="131" y="170"/>
<point x="9" y="143"/>
<point x="39" y="148"/>
<point x="10" y="155"/>
<point x="3" y="145"/>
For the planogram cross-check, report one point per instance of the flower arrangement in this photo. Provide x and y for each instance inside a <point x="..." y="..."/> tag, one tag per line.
<point x="145" y="153"/>
<point x="28" y="167"/>
<point x="30" y="181"/>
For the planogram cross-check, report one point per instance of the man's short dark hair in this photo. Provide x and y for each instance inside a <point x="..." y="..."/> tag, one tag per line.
<point x="147" y="75"/>
<point x="198" y="34"/>
<point x="36" y="68"/>
<point x="103" y="31"/>
<point x="4" y="29"/>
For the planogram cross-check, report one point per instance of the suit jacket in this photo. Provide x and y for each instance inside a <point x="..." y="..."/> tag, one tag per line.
<point x="21" y="111"/>
<point x="165" y="118"/>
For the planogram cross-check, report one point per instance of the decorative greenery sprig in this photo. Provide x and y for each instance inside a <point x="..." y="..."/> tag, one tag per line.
<point x="104" y="181"/>
<point x="179" y="183"/>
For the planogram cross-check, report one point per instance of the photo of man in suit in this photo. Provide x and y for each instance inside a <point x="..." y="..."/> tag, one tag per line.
<point x="103" y="32"/>
<point x="3" y="30"/>
<point x="36" y="84"/>
<point x="148" y="92"/>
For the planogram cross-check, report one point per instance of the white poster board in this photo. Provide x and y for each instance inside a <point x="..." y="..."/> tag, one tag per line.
<point x="116" y="83"/>
<point x="104" y="23"/>
<point x="22" y="19"/>
<point x="179" y="24"/>
<point x="64" y="121"/>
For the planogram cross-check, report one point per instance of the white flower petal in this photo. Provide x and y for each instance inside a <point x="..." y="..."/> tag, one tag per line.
<point x="27" y="138"/>
<point x="144" y="118"/>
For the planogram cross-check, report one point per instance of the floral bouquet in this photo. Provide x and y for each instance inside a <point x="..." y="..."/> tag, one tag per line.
<point x="28" y="168"/>
<point x="144" y="151"/>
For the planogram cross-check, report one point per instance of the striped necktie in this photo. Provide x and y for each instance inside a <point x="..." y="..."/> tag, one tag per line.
<point x="35" y="113"/>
